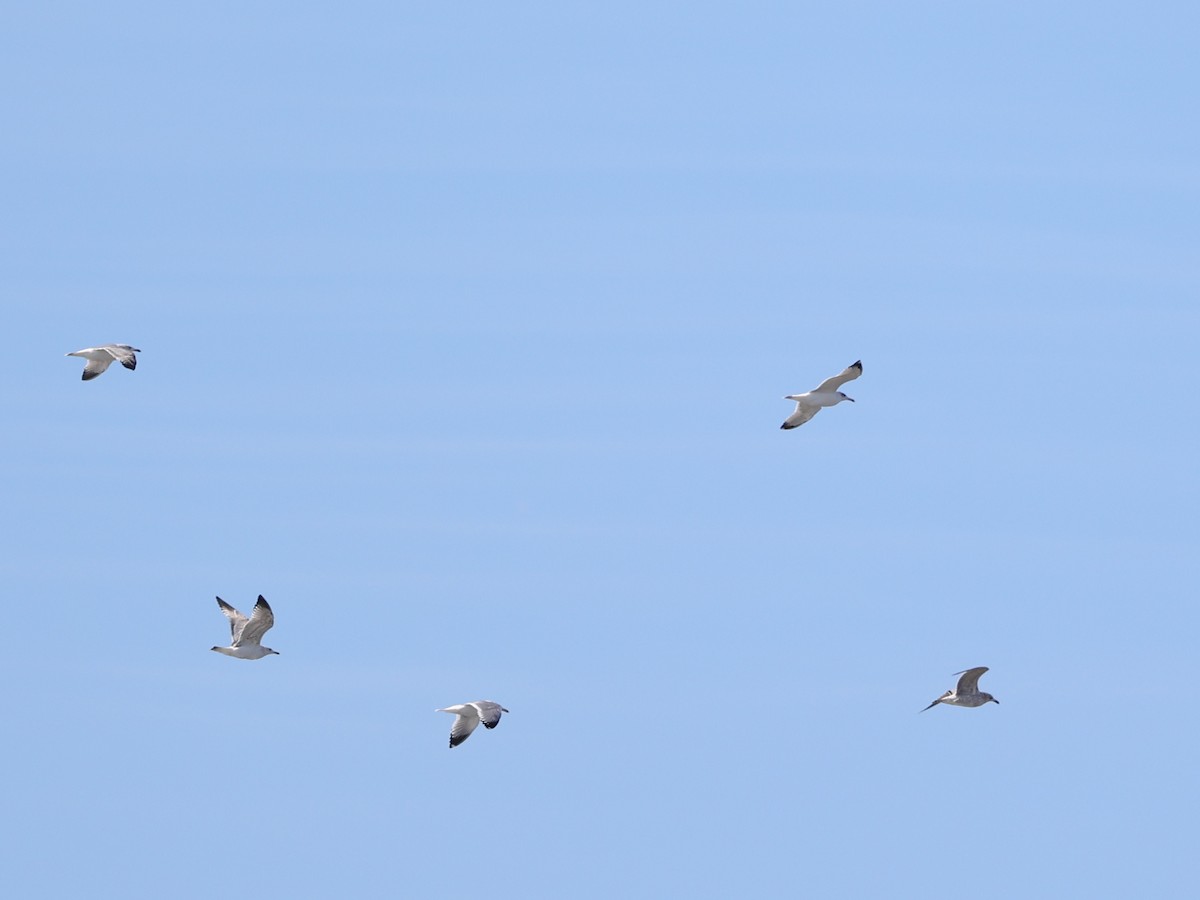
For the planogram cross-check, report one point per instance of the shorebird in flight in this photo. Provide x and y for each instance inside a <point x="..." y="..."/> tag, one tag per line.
<point x="100" y="358"/>
<point x="967" y="692"/>
<point x="248" y="633"/>
<point x="469" y="715"/>
<point x="825" y="394"/>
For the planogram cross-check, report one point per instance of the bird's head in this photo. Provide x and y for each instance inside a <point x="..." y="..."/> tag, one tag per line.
<point x="989" y="697"/>
<point x="844" y="397"/>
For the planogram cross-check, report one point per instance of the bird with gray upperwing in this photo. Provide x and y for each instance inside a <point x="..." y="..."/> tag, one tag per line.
<point x="966" y="692"/>
<point x="248" y="632"/>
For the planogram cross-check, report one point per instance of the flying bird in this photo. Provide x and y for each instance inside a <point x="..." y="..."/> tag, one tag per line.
<point x="469" y="715"/>
<point x="100" y="358"/>
<point x="247" y="633"/>
<point x="825" y="394"/>
<point x="967" y="692"/>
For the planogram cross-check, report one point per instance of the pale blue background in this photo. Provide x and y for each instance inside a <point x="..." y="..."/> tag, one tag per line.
<point x="465" y="328"/>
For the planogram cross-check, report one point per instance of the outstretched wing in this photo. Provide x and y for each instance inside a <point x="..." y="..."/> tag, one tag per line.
<point x="464" y="723"/>
<point x="260" y="623"/>
<point x="123" y="354"/>
<point x="489" y="712"/>
<point x="802" y="414"/>
<point x="95" y="368"/>
<point x="849" y="373"/>
<point x="236" y="620"/>
<point x="969" y="683"/>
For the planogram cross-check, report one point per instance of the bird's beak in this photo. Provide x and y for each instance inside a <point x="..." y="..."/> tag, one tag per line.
<point x="851" y="399"/>
<point x="994" y="700"/>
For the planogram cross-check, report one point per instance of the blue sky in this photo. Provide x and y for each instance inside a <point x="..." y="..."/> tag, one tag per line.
<point x="465" y="333"/>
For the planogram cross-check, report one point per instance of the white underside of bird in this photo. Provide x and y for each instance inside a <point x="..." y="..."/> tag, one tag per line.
<point x="100" y="358"/>
<point x="825" y="394"/>
<point x="469" y="715"/>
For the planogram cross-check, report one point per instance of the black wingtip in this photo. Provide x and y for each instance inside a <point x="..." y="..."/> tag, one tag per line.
<point x="857" y="364"/>
<point x="131" y="363"/>
<point x="786" y="427"/>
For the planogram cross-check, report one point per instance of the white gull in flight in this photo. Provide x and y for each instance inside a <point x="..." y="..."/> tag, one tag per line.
<point x="469" y="715"/>
<point x="967" y="692"/>
<point x="247" y="633"/>
<point x="825" y="394"/>
<point x="100" y="358"/>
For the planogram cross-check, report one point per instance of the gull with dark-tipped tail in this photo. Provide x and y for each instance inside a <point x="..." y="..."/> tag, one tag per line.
<point x="825" y="394"/>
<point x="967" y="692"/>
<point x="248" y="633"/>
<point x="100" y="358"/>
<point x="469" y="715"/>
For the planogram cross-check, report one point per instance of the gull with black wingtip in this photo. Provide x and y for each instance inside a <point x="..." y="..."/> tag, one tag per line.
<point x="100" y="358"/>
<point x="825" y="394"/>
<point x="248" y="632"/>
<point x="469" y="715"/>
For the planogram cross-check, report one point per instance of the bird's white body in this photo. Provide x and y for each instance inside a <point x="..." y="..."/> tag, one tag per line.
<point x="823" y="395"/>
<point x="100" y="358"/>
<point x="468" y="717"/>
<point x="966" y="692"/>
<point x="247" y="633"/>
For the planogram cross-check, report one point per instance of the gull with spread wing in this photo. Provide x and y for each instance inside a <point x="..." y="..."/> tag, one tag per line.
<point x="248" y="633"/>
<point x="825" y="394"/>
<point x="100" y="358"/>
<point x="469" y="715"/>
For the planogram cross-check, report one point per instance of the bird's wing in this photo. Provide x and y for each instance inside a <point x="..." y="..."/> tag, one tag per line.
<point x="937" y="701"/>
<point x="259" y="624"/>
<point x="802" y="414"/>
<point x="464" y="723"/>
<point x="94" y="368"/>
<point x="849" y="373"/>
<point x="969" y="683"/>
<point x="123" y="354"/>
<point x="489" y="712"/>
<point x="236" y="620"/>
